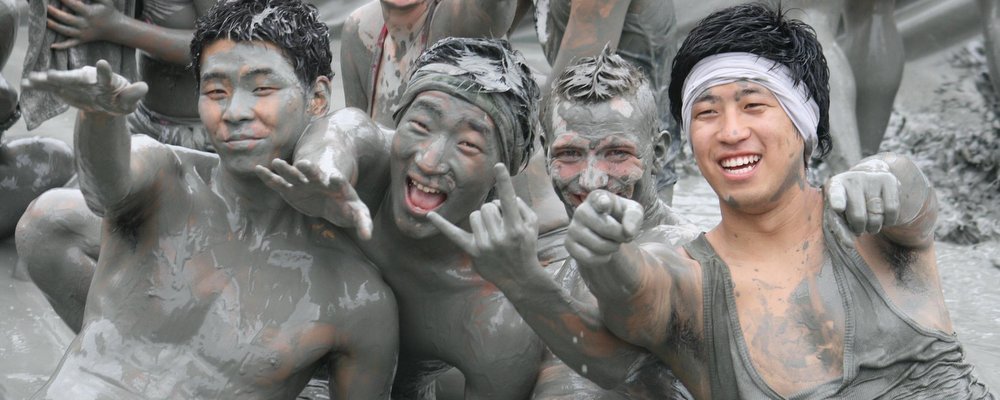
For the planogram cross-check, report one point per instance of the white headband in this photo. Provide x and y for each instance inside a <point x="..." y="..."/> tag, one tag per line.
<point x="721" y="69"/>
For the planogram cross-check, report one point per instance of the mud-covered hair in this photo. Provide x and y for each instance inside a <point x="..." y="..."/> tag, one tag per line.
<point x="598" y="79"/>
<point x="757" y="29"/>
<point x="492" y="66"/>
<point x="291" y="25"/>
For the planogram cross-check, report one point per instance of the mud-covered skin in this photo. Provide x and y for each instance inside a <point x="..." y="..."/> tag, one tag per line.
<point x="28" y="166"/>
<point x="772" y="240"/>
<point x="405" y="22"/>
<point x="874" y="49"/>
<point x="592" y="146"/>
<point x="990" y="11"/>
<point x="449" y="316"/>
<point x="824" y="16"/>
<point x="209" y="285"/>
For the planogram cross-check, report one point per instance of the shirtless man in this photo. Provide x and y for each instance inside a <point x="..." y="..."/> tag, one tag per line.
<point x="469" y="104"/>
<point x="641" y="31"/>
<point x="209" y="285"/>
<point x="58" y="239"/>
<point x="380" y="44"/>
<point x="602" y="131"/>
<point x="782" y="297"/>
<point x="28" y="166"/>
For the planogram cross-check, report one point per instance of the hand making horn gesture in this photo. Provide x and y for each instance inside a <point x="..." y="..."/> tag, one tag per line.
<point x="599" y="227"/>
<point x="90" y="89"/>
<point x="866" y="199"/>
<point x="316" y="192"/>
<point x="502" y="243"/>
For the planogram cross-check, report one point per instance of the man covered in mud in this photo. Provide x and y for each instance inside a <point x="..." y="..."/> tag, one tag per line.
<point x="602" y="133"/>
<point x="209" y="284"/>
<point x="641" y="31"/>
<point x="28" y="166"/>
<point x="381" y="42"/>
<point x="469" y="104"/>
<point x="799" y="290"/>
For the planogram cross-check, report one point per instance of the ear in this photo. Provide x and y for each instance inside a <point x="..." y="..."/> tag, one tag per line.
<point x="661" y="145"/>
<point x="319" y="99"/>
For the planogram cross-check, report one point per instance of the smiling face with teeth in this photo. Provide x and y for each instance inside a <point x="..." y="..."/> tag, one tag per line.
<point x="746" y="145"/>
<point x="441" y="160"/>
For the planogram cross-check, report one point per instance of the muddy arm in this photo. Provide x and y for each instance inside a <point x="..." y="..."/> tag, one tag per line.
<point x="634" y="283"/>
<point x="592" y="25"/>
<point x="84" y="22"/>
<point x="917" y="204"/>
<point x="108" y="172"/>
<point x="354" y="58"/>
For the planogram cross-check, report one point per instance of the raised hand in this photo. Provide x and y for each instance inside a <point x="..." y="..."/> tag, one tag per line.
<point x="8" y="99"/>
<point x="865" y="199"/>
<point x="502" y="243"/>
<point x="88" y="22"/>
<point x="318" y="193"/>
<point x="90" y="89"/>
<point x="600" y="225"/>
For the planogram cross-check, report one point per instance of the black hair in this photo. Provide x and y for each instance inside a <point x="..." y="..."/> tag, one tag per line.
<point x="598" y="79"/>
<point x="291" y="25"/>
<point x="757" y="29"/>
<point x="499" y="69"/>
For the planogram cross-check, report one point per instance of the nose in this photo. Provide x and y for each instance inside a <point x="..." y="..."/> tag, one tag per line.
<point x="733" y="128"/>
<point x="240" y="107"/>
<point x="593" y="178"/>
<point x="430" y="159"/>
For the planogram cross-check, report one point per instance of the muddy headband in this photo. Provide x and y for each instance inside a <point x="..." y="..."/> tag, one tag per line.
<point x="448" y="79"/>
<point x="721" y="69"/>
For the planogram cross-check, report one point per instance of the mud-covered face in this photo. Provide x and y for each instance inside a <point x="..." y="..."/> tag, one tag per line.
<point x="441" y="160"/>
<point x="746" y="145"/>
<point x="605" y="145"/>
<point x="252" y="103"/>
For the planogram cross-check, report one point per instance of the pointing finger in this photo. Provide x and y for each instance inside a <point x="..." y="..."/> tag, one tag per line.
<point x="457" y="235"/>
<point x="505" y="190"/>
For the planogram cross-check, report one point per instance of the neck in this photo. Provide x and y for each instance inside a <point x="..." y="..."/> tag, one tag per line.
<point x="251" y="203"/>
<point x="405" y="23"/>
<point x="797" y="214"/>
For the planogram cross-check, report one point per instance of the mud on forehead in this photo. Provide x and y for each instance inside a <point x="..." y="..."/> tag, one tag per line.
<point x="621" y="114"/>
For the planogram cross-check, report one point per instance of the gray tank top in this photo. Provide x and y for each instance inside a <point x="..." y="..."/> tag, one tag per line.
<point x="887" y="355"/>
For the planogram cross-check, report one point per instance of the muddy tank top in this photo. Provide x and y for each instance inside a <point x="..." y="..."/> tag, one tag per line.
<point x="887" y="355"/>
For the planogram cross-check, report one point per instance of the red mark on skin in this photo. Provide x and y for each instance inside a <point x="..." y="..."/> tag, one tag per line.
<point x="597" y="348"/>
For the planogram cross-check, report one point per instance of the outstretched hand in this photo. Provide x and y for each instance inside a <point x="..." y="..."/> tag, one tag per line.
<point x="865" y="199"/>
<point x="504" y="236"/>
<point x="318" y="193"/>
<point x="88" y="22"/>
<point x="600" y="225"/>
<point x="90" y="89"/>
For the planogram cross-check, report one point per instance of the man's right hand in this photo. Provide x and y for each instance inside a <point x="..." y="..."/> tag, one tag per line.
<point x="90" y="89"/>
<point x="599" y="227"/>
<point x="318" y="193"/>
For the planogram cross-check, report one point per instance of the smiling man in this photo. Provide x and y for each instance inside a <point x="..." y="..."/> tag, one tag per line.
<point x="792" y="294"/>
<point x="469" y="104"/>
<point x="602" y="133"/>
<point x="209" y="285"/>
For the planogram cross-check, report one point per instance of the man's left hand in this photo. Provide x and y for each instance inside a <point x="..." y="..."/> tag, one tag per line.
<point x="503" y="240"/>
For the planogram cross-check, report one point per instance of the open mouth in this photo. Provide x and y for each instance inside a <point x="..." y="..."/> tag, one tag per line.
<point x="423" y="199"/>
<point x="740" y="165"/>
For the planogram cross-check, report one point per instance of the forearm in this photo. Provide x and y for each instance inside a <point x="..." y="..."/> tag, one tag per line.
<point x="103" y="158"/>
<point x="590" y="28"/>
<point x="170" y="45"/>
<point x="917" y="203"/>
<point x="574" y="331"/>
<point x="633" y="290"/>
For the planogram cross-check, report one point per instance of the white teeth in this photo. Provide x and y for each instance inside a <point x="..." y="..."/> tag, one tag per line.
<point x="739" y="161"/>
<point x="426" y="189"/>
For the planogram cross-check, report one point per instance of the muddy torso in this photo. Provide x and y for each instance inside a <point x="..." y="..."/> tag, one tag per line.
<point x="187" y="304"/>
<point x="173" y="90"/>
